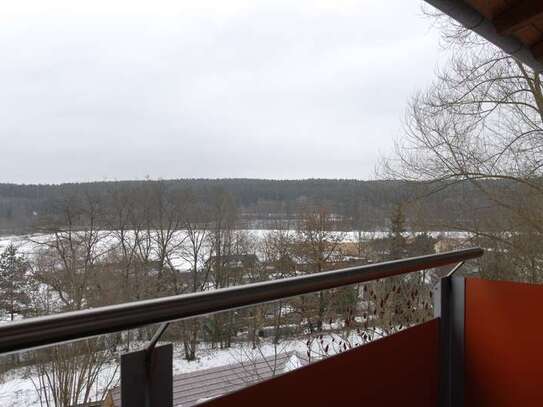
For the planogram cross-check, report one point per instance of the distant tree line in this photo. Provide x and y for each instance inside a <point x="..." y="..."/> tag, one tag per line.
<point x="356" y="205"/>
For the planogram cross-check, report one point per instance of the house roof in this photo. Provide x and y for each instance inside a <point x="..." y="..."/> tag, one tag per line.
<point x="195" y="387"/>
<point x="516" y="26"/>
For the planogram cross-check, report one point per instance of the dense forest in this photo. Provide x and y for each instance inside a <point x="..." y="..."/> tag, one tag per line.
<point x="355" y="204"/>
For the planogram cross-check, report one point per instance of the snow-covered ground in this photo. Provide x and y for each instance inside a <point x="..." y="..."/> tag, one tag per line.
<point x="16" y="390"/>
<point x="355" y="235"/>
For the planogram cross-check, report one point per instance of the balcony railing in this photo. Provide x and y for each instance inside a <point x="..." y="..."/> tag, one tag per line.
<point x="146" y="376"/>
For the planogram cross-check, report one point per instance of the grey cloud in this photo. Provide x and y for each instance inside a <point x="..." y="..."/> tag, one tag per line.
<point x="282" y="94"/>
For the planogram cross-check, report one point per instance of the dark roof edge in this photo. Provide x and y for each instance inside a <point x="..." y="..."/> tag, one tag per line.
<point x="475" y="21"/>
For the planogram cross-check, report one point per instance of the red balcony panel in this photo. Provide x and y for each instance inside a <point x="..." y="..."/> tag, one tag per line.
<point x="503" y="343"/>
<point x="399" y="370"/>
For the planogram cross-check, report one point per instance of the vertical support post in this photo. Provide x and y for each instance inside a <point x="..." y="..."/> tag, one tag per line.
<point x="449" y="307"/>
<point x="147" y="377"/>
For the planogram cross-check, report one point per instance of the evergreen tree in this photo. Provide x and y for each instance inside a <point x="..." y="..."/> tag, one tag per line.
<point x="15" y="284"/>
<point x="396" y="235"/>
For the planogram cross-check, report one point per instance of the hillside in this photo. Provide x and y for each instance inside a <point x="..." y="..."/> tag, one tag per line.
<point x="260" y="203"/>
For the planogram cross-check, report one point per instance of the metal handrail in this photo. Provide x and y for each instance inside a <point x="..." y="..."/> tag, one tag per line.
<point x="58" y="328"/>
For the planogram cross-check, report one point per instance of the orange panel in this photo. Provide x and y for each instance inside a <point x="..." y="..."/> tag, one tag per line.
<point x="503" y="344"/>
<point x="399" y="370"/>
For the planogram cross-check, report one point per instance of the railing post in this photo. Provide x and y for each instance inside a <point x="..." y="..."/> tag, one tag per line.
<point x="449" y="307"/>
<point x="147" y="377"/>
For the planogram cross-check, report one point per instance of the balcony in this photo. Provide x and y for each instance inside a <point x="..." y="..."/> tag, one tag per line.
<point x="481" y="348"/>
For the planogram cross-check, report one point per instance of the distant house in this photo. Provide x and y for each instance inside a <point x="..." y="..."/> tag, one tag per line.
<point x="233" y="269"/>
<point x="196" y="387"/>
<point x="447" y="244"/>
<point x="350" y="248"/>
<point x="284" y="266"/>
<point x="234" y="261"/>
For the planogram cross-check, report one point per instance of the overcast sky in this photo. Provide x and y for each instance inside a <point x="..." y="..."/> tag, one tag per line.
<point x="216" y="88"/>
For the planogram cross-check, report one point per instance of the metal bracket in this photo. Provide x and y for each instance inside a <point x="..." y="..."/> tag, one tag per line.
<point x="147" y="375"/>
<point x="156" y="337"/>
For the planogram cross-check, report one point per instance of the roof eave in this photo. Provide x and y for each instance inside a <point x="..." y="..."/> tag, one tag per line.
<point x="475" y="21"/>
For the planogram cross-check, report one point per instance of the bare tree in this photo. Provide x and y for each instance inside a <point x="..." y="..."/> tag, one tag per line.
<point x="71" y="262"/>
<point x="222" y="236"/>
<point x="70" y="251"/>
<point x="126" y="228"/>
<point x="317" y="246"/>
<point x="277" y="248"/>
<point x="480" y="124"/>
<point x="168" y="220"/>
<point x="196" y="252"/>
<point x="221" y="240"/>
<point x="73" y="374"/>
